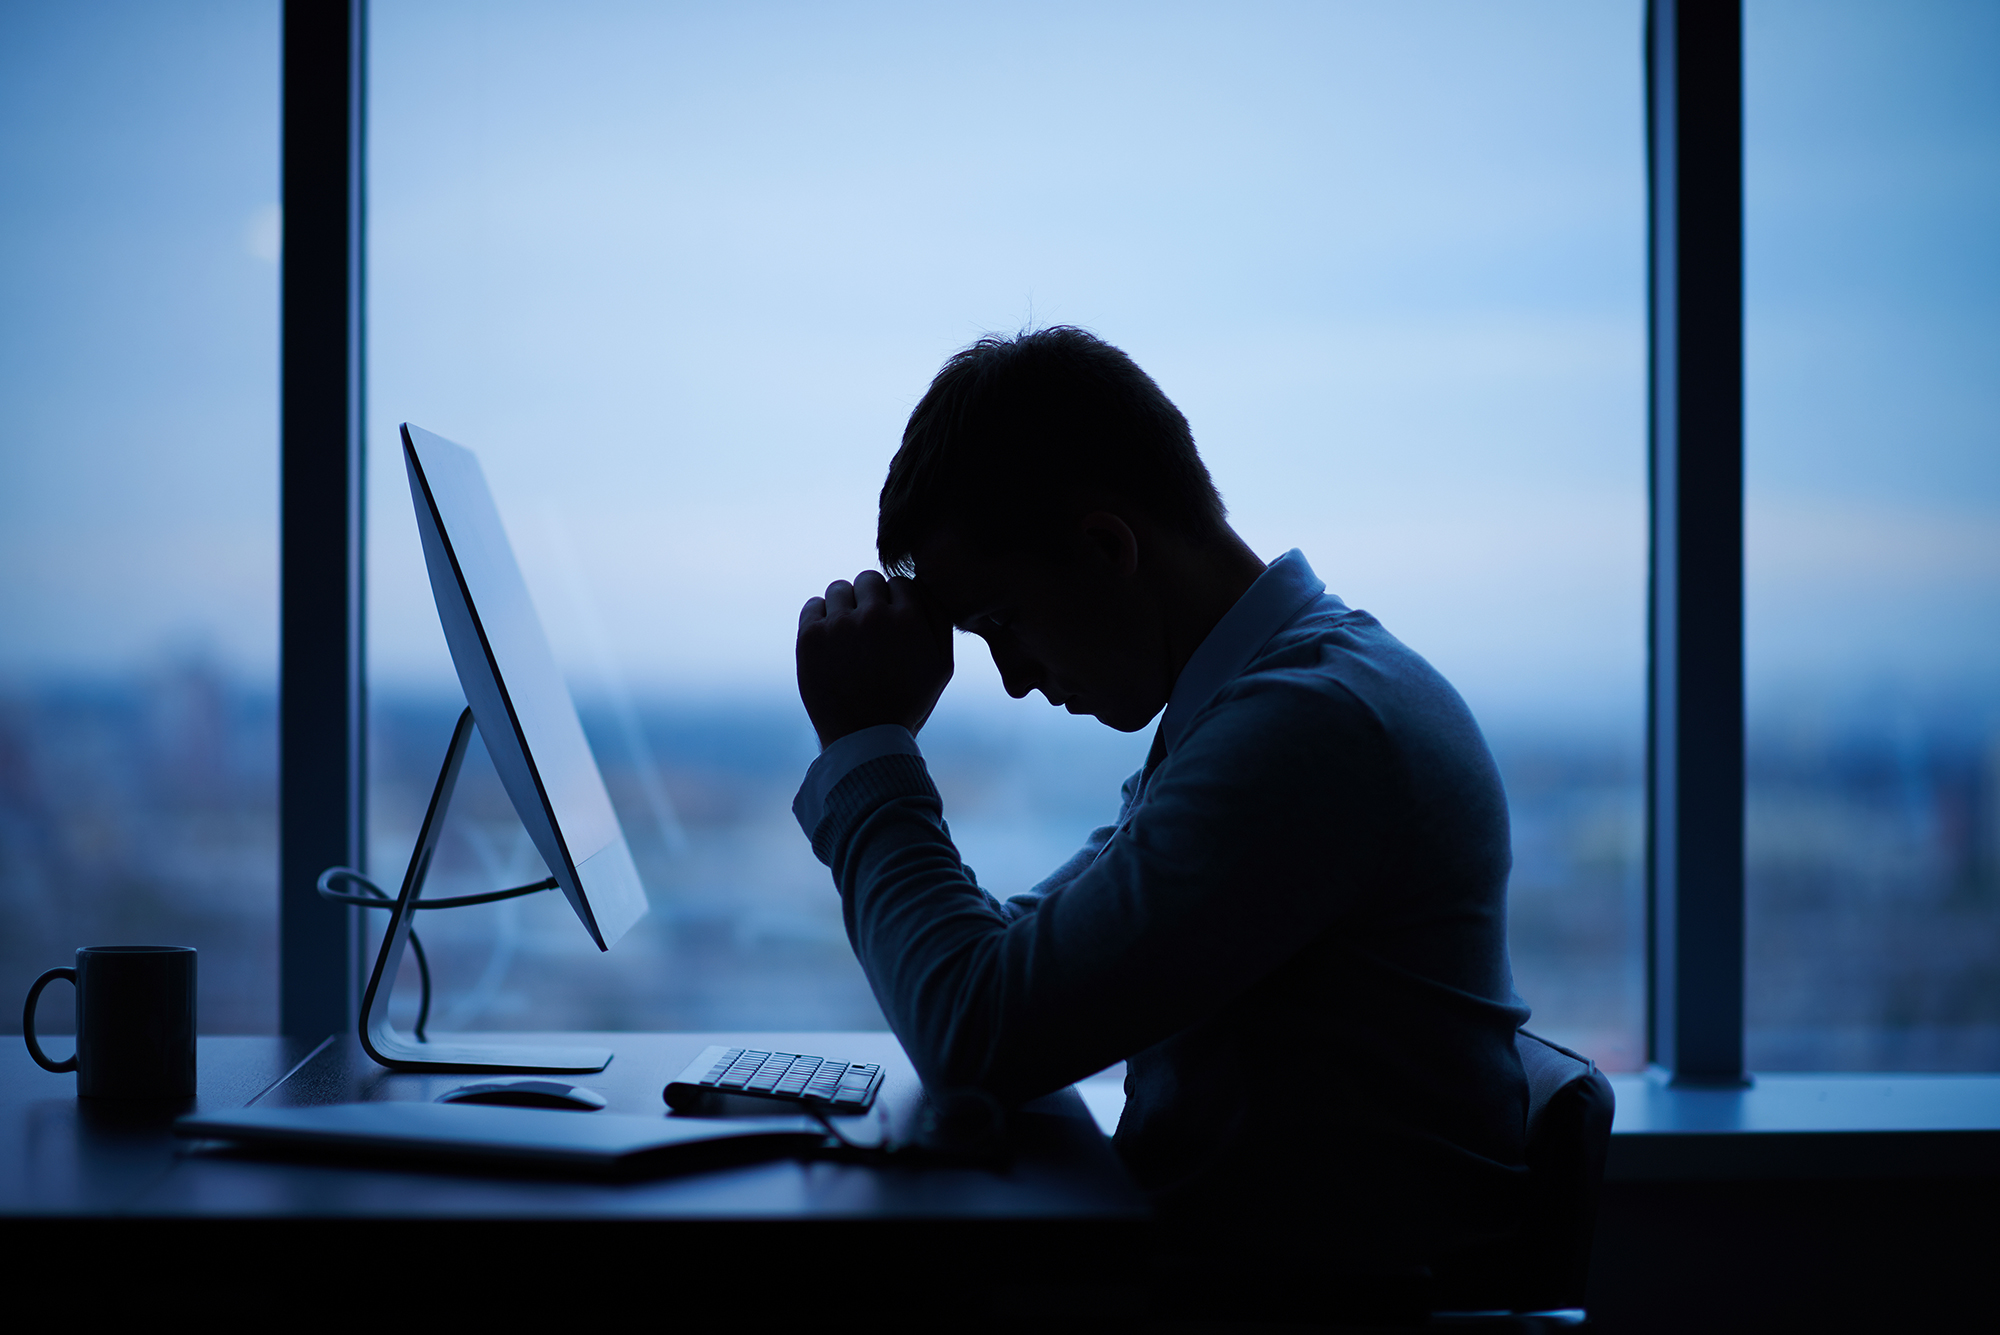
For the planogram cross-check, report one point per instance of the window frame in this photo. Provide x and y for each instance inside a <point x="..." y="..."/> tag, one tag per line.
<point x="1694" y="859"/>
<point x="322" y="576"/>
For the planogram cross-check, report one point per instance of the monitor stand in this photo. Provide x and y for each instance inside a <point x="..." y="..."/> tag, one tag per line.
<point x="378" y="1037"/>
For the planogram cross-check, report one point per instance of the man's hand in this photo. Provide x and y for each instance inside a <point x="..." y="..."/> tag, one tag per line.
<point x="871" y="652"/>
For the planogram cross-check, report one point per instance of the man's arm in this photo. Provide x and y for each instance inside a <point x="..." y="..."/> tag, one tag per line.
<point x="1238" y="857"/>
<point x="1226" y="870"/>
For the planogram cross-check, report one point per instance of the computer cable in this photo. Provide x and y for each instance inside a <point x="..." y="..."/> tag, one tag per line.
<point x="884" y="1145"/>
<point x="967" y="1127"/>
<point x="378" y="898"/>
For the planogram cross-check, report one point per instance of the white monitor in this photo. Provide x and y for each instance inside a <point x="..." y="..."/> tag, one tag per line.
<point x="518" y="698"/>
<point x="515" y="697"/>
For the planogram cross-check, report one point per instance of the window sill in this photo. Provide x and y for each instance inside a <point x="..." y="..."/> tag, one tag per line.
<point x="1783" y="1126"/>
<point x="1806" y="1126"/>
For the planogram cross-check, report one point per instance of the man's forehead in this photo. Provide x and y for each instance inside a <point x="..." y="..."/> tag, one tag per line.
<point x="950" y="571"/>
<point x="966" y="580"/>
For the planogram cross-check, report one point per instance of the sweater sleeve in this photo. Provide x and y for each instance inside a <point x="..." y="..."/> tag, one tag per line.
<point x="1238" y="855"/>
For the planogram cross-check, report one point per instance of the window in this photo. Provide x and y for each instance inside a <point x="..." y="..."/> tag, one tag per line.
<point x="138" y="486"/>
<point x="1872" y="173"/>
<point x="679" y="275"/>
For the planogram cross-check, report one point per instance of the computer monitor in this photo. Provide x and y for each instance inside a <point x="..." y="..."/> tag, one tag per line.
<point x="517" y="698"/>
<point x="517" y="694"/>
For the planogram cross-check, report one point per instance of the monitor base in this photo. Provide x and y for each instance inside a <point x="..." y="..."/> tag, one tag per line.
<point x="525" y="1059"/>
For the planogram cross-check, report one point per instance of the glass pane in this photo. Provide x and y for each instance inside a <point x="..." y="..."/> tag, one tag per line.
<point x="679" y="275"/>
<point x="138" y="492"/>
<point x="1873" y="568"/>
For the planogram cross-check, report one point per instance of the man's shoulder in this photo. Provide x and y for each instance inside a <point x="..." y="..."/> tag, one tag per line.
<point x="1308" y="685"/>
<point x="1342" y="648"/>
<point x="1335" y="665"/>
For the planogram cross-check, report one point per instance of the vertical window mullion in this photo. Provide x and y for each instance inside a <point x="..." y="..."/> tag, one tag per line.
<point x="1694" y="871"/>
<point x="322" y="772"/>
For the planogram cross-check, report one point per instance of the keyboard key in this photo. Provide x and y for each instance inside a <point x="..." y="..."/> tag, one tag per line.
<point x="769" y="1073"/>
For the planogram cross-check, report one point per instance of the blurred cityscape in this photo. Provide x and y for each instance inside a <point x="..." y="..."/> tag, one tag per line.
<point x="144" y="809"/>
<point x="1874" y="907"/>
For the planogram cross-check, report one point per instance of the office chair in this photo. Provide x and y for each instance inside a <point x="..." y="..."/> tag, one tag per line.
<point x="1532" y="1283"/>
<point x="1569" y="1133"/>
<point x="1546" y="1267"/>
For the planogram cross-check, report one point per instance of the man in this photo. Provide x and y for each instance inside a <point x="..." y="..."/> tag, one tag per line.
<point x="1295" y="932"/>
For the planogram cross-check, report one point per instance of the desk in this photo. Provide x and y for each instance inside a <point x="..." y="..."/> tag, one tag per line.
<point x="1060" y="1223"/>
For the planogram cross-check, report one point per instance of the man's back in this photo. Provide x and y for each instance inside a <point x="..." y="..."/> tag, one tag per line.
<point x="1375" y="1067"/>
<point x="1371" y="1079"/>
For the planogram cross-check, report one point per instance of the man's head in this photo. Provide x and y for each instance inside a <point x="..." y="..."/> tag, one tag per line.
<point x="1048" y="497"/>
<point x="1018" y="436"/>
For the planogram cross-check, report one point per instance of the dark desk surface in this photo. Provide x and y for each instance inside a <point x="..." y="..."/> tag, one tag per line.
<point x="100" y="1201"/>
<point x="67" y="1156"/>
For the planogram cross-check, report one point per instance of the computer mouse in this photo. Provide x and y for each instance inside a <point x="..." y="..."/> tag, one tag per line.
<point x="528" y="1094"/>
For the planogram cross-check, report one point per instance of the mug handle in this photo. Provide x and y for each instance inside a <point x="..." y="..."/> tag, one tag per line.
<point x="28" y="1021"/>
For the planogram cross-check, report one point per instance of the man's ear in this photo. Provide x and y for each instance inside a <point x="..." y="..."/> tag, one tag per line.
<point x="1113" y="539"/>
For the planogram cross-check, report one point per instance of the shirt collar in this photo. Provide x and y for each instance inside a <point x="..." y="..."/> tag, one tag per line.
<point x="1266" y="607"/>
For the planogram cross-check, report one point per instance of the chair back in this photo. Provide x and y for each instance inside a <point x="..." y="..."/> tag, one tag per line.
<point x="1569" y="1132"/>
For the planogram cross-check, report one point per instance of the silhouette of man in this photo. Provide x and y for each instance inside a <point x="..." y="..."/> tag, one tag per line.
<point x="1294" y="933"/>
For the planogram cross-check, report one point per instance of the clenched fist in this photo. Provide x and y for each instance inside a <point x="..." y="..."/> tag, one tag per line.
<point x="871" y="652"/>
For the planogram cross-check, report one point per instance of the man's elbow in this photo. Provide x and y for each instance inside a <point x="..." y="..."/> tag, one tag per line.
<point x="957" y="1042"/>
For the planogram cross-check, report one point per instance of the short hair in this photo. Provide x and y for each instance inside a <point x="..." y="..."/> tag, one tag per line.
<point x="1016" y="434"/>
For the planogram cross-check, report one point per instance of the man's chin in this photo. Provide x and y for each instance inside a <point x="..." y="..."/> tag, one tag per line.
<point x="1121" y="722"/>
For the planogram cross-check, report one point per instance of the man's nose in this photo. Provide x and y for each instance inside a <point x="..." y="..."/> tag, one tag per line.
<point x="1018" y="672"/>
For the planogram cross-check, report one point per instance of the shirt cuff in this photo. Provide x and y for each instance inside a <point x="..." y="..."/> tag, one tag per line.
<point x="842" y="758"/>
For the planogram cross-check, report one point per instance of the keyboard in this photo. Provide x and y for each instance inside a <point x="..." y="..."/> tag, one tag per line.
<point x="789" y="1077"/>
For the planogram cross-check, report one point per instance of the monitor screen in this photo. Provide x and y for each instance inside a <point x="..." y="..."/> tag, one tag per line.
<point x="518" y="698"/>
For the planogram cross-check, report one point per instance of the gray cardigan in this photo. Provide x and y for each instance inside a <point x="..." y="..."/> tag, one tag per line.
<point x="1295" y="936"/>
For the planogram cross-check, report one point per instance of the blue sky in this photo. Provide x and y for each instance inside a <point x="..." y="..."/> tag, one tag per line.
<point x="678" y="273"/>
<point x="1389" y="261"/>
<point x="138" y="335"/>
